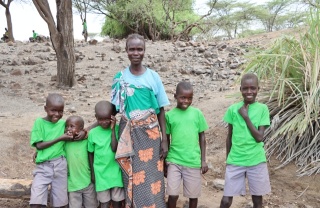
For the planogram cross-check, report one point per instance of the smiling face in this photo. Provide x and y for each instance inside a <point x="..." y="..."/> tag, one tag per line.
<point x="184" y="98"/>
<point x="135" y="49"/>
<point x="104" y="119"/>
<point x="74" y="125"/>
<point x="54" y="111"/>
<point x="249" y="90"/>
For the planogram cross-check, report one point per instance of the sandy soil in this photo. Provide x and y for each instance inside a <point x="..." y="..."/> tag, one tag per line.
<point x="22" y="99"/>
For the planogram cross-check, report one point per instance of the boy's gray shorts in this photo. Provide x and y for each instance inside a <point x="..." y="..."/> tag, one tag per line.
<point x="258" y="180"/>
<point x="116" y="194"/>
<point x="86" y="197"/>
<point x="191" y="178"/>
<point x="52" y="172"/>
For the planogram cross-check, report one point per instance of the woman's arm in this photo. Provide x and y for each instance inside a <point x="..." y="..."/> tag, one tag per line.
<point x="164" y="142"/>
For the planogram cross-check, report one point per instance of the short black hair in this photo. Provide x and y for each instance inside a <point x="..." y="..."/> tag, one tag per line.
<point x="183" y="85"/>
<point x="249" y="76"/>
<point x="103" y="106"/>
<point x="135" y="36"/>
<point x="54" y="97"/>
<point x="77" y="119"/>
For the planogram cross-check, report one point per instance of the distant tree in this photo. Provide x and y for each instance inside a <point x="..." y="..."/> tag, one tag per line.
<point x="313" y="3"/>
<point x="6" y="5"/>
<point x="232" y="17"/>
<point x="270" y="11"/>
<point x="154" y="19"/>
<point x="61" y="37"/>
<point x="82" y="8"/>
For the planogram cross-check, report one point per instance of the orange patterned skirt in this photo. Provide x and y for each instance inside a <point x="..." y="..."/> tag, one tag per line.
<point x="138" y="154"/>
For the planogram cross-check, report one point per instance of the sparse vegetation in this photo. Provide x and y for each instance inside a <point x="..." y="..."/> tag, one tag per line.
<point x="290" y="69"/>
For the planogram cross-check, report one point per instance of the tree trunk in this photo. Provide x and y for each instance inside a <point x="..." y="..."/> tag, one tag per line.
<point x="65" y="44"/>
<point x="61" y="37"/>
<point x="9" y="24"/>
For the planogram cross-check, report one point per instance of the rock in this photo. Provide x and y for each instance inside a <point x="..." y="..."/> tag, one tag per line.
<point x="15" y="188"/>
<point x="15" y="86"/>
<point x="116" y="48"/>
<point x="93" y="42"/>
<point x="16" y="72"/>
<point x="218" y="184"/>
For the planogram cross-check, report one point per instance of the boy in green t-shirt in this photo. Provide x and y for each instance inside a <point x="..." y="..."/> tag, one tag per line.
<point x="81" y="190"/>
<point x="247" y="121"/>
<point x="186" y="158"/>
<point x="102" y="145"/>
<point x="48" y="137"/>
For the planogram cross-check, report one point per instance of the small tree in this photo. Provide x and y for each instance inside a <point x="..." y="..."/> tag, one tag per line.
<point x="8" y="17"/>
<point x="61" y="37"/>
<point x="82" y="7"/>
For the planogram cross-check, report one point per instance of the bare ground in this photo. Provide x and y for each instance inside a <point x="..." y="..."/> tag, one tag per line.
<point x="20" y="106"/>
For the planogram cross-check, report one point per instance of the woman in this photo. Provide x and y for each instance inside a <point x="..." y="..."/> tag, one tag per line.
<point x="138" y="94"/>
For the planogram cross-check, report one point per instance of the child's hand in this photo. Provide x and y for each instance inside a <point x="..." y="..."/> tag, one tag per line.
<point x="243" y="111"/>
<point x="80" y="135"/>
<point x="204" y="167"/>
<point x="67" y="136"/>
<point x="34" y="157"/>
<point x="113" y="122"/>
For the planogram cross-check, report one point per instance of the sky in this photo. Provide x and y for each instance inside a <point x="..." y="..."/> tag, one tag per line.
<point x="26" y="18"/>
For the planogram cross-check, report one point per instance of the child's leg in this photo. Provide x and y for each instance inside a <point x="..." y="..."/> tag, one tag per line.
<point x="104" y="198"/>
<point x="59" y="185"/>
<point x="39" y="188"/>
<point x="257" y="201"/>
<point x="105" y="204"/>
<point x="117" y="196"/>
<point x="174" y="178"/>
<point x="116" y="204"/>
<point x="172" y="201"/>
<point x="191" y="185"/>
<point x="89" y="197"/>
<point x="258" y="179"/>
<point x="37" y="206"/>
<point x="193" y="203"/>
<point x="226" y="201"/>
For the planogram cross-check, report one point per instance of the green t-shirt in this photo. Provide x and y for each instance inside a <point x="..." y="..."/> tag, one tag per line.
<point x="184" y="127"/>
<point x="106" y="169"/>
<point x="79" y="176"/>
<point x="245" y="151"/>
<point x="34" y="35"/>
<point x="43" y="131"/>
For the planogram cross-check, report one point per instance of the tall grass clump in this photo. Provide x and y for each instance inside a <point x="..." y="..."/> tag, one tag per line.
<point x="290" y="71"/>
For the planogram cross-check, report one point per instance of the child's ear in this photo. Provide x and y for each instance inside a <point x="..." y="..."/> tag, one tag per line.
<point x="175" y="96"/>
<point x="240" y="88"/>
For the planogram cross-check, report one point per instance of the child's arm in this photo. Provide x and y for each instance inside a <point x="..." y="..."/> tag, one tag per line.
<point x="44" y="145"/>
<point x="114" y="141"/>
<point x="204" y="166"/>
<point x="91" y="158"/>
<point x="256" y="133"/>
<point x="228" y="140"/>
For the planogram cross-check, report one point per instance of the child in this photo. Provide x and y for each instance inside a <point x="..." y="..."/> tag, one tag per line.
<point x="186" y="158"/>
<point x="48" y="137"/>
<point x="102" y="144"/>
<point x="247" y="121"/>
<point x="81" y="190"/>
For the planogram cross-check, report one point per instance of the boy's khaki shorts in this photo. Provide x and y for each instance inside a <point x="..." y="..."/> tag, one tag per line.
<point x="116" y="194"/>
<point x="52" y="172"/>
<point x="258" y="180"/>
<point x="86" y="197"/>
<point x="191" y="178"/>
